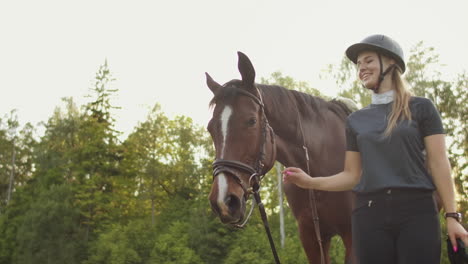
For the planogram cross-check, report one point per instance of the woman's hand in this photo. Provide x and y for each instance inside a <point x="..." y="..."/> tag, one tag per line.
<point x="341" y="181"/>
<point x="298" y="177"/>
<point x="455" y="230"/>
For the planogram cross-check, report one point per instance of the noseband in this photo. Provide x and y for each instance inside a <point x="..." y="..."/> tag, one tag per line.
<point x="256" y="172"/>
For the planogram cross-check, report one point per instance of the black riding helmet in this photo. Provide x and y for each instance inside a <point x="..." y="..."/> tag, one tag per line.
<point x="383" y="45"/>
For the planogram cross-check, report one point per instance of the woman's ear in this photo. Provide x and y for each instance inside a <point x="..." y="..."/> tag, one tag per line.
<point x="388" y="60"/>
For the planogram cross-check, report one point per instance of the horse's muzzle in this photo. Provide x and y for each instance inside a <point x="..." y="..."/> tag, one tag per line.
<point x="230" y="209"/>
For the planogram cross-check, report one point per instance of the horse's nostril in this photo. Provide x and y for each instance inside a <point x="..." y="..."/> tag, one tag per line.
<point x="232" y="202"/>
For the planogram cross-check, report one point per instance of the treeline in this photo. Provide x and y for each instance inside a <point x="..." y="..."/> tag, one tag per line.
<point x="79" y="194"/>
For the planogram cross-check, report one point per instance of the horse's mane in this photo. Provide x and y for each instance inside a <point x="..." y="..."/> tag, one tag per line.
<point x="342" y="108"/>
<point x="305" y="102"/>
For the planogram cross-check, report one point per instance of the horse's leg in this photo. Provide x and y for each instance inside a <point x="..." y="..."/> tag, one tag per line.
<point x="310" y="243"/>
<point x="350" y="258"/>
<point x="326" y="242"/>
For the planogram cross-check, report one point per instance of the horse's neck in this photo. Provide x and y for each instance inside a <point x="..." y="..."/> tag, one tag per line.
<point x="287" y="115"/>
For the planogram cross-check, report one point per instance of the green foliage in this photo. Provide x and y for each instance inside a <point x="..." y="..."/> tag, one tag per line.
<point x="49" y="232"/>
<point x="16" y="156"/>
<point x="124" y="244"/>
<point x="99" y="156"/>
<point x="165" y="159"/>
<point x="337" y="250"/>
<point x="172" y="247"/>
<point x="56" y="153"/>
<point x="244" y="251"/>
<point x="80" y="148"/>
<point x="100" y="108"/>
<point x="208" y="236"/>
<point x="10" y="222"/>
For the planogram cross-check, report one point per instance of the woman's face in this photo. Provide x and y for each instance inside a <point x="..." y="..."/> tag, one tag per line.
<point x="368" y="68"/>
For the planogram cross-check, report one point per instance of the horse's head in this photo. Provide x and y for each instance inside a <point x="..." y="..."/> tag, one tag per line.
<point x="243" y="140"/>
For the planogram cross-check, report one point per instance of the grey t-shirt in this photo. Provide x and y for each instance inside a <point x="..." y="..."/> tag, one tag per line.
<point x="397" y="161"/>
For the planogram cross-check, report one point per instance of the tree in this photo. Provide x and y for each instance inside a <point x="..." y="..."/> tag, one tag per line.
<point x="86" y="194"/>
<point x="16" y="154"/>
<point x="99" y="156"/>
<point x="50" y="232"/>
<point x="172" y="247"/>
<point x="131" y="243"/>
<point x="70" y="197"/>
<point x="16" y="169"/>
<point x="146" y="150"/>
<point x="11" y="220"/>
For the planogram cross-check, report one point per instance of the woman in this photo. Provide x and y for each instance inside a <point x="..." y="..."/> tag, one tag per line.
<point x="395" y="159"/>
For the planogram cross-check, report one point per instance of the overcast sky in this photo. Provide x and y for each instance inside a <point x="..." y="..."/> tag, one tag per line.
<point x="158" y="51"/>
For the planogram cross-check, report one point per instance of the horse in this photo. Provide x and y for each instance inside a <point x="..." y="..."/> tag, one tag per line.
<point x="253" y="125"/>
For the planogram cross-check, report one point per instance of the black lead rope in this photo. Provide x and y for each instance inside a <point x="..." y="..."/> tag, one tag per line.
<point x="261" y="208"/>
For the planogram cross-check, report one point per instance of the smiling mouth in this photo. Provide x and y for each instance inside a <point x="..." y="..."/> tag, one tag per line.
<point x="365" y="76"/>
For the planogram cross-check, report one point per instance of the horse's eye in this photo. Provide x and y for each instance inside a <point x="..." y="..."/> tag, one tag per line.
<point x="252" y="122"/>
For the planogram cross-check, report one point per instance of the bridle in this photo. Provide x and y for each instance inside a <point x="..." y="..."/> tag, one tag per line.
<point x="257" y="171"/>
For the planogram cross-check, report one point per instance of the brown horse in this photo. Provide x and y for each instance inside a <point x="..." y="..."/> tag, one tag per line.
<point x="252" y="126"/>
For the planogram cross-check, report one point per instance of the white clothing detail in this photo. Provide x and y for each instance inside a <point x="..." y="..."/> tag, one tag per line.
<point x="383" y="98"/>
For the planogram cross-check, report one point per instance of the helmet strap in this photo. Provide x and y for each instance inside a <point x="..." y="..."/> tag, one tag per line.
<point x="382" y="74"/>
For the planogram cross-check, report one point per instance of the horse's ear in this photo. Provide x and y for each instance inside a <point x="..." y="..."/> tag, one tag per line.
<point x="246" y="70"/>
<point x="214" y="86"/>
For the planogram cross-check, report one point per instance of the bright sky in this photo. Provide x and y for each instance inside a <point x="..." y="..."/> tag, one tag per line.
<point x="159" y="50"/>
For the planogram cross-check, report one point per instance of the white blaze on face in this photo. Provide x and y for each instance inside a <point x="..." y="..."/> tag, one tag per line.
<point x="222" y="181"/>
<point x="225" y="116"/>
<point x="222" y="189"/>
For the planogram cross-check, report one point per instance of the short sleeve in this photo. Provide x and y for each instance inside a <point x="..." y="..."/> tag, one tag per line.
<point x="351" y="140"/>
<point x="431" y="122"/>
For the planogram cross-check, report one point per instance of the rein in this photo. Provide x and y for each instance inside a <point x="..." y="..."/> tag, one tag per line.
<point x="256" y="172"/>
<point x="312" y="199"/>
<point x="315" y="217"/>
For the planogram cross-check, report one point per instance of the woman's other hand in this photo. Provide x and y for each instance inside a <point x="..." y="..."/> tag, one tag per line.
<point x="455" y="230"/>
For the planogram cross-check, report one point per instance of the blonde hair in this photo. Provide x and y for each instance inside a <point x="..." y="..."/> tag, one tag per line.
<point x="400" y="108"/>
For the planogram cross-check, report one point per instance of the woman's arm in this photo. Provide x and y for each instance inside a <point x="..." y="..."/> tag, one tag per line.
<point x="342" y="181"/>
<point x="439" y="166"/>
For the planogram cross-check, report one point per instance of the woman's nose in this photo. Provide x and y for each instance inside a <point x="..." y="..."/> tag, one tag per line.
<point x="361" y="68"/>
